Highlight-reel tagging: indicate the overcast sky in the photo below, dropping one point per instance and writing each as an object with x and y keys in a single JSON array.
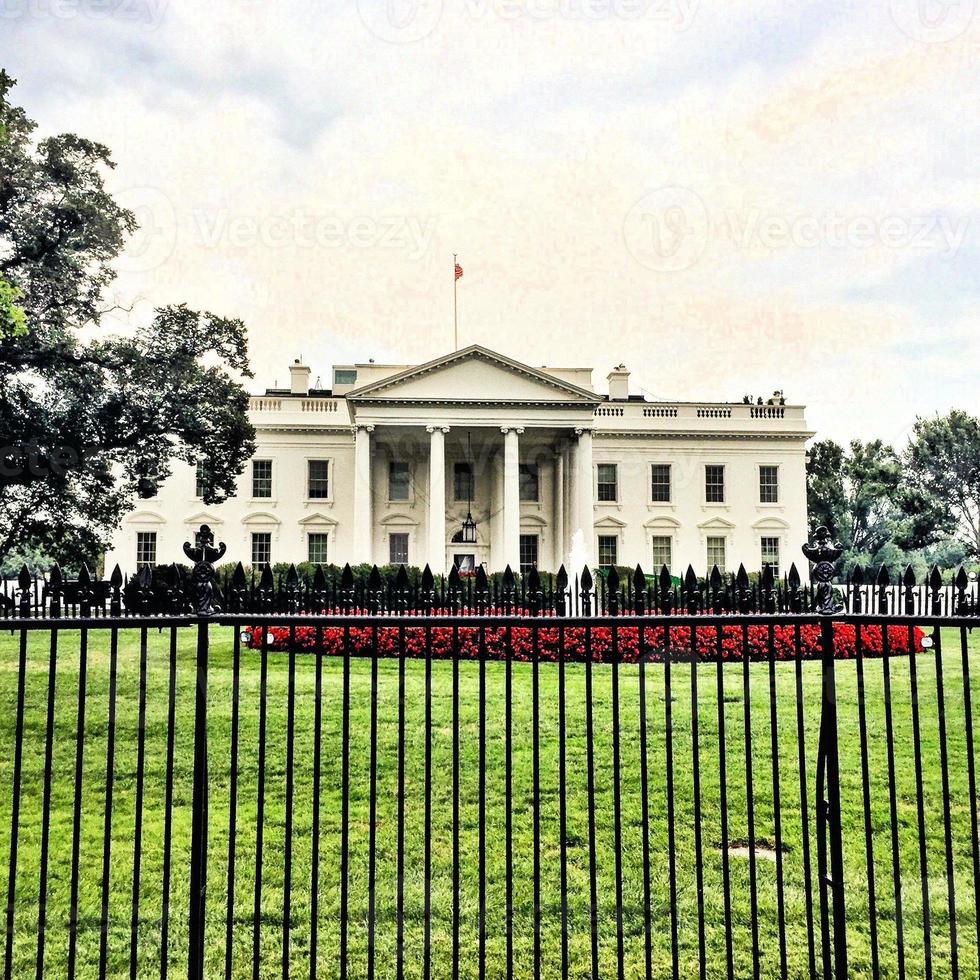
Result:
[{"x": 728, "y": 196}]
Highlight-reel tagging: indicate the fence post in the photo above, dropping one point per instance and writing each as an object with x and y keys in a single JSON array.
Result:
[
  {"x": 204, "y": 555},
  {"x": 830, "y": 866}
]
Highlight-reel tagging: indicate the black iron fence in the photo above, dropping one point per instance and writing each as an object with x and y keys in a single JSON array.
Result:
[
  {"x": 731, "y": 784},
  {"x": 170, "y": 590}
]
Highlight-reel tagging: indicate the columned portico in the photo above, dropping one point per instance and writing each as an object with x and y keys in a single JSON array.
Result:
[
  {"x": 437, "y": 497},
  {"x": 363, "y": 511},
  {"x": 512, "y": 496}
]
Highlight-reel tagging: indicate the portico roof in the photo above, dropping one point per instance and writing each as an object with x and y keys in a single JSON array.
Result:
[{"x": 475, "y": 375}]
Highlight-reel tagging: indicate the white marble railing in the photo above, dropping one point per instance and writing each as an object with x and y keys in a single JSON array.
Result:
[
  {"x": 699, "y": 415},
  {"x": 273, "y": 403},
  {"x": 334, "y": 410}
]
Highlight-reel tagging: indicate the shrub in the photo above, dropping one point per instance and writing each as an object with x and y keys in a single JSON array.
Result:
[{"x": 574, "y": 647}]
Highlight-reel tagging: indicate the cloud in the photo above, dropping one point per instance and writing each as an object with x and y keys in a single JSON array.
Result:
[{"x": 299, "y": 166}]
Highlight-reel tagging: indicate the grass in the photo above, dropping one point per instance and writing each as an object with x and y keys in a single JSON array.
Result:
[{"x": 148, "y": 931}]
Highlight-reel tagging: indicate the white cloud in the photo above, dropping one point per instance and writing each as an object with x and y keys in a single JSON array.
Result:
[{"x": 298, "y": 171}]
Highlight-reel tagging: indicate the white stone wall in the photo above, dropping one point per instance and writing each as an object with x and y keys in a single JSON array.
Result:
[
  {"x": 634, "y": 518},
  {"x": 688, "y": 519},
  {"x": 474, "y": 403}
]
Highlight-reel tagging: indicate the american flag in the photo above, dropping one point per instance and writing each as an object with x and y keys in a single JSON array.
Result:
[{"x": 459, "y": 271}]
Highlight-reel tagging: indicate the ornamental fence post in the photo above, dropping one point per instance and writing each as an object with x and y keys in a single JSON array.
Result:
[
  {"x": 823, "y": 553},
  {"x": 203, "y": 594}
]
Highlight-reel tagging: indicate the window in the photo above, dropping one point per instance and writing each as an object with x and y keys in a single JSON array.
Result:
[
  {"x": 662, "y": 551},
  {"x": 261, "y": 477},
  {"x": 318, "y": 484},
  {"x": 199, "y": 477},
  {"x": 146, "y": 548},
  {"x": 770, "y": 554},
  {"x": 768, "y": 484},
  {"x": 398, "y": 548},
  {"x": 660, "y": 483},
  {"x": 529, "y": 552},
  {"x": 527, "y": 475},
  {"x": 398, "y": 480},
  {"x": 342, "y": 377},
  {"x": 714, "y": 484},
  {"x": 463, "y": 482},
  {"x": 261, "y": 548},
  {"x": 716, "y": 554},
  {"x": 317, "y": 548},
  {"x": 607, "y": 482},
  {"x": 608, "y": 547}
]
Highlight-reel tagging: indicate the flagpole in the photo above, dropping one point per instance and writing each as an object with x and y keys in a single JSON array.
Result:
[{"x": 455, "y": 319}]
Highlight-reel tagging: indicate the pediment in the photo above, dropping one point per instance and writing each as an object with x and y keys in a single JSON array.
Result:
[
  {"x": 610, "y": 522},
  {"x": 260, "y": 517},
  {"x": 318, "y": 519},
  {"x": 203, "y": 517},
  {"x": 533, "y": 520},
  {"x": 145, "y": 517},
  {"x": 398, "y": 520},
  {"x": 662, "y": 521},
  {"x": 716, "y": 524},
  {"x": 770, "y": 523},
  {"x": 475, "y": 374}
]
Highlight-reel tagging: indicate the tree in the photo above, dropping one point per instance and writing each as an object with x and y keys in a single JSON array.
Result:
[
  {"x": 88, "y": 425},
  {"x": 863, "y": 496},
  {"x": 13, "y": 321},
  {"x": 826, "y": 498},
  {"x": 943, "y": 462}
]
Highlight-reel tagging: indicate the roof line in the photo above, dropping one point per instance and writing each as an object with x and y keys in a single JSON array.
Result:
[{"x": 480, "y": 351}]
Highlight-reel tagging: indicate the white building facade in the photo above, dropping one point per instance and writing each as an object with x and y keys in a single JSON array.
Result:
[{"x": 385, "y": 466}]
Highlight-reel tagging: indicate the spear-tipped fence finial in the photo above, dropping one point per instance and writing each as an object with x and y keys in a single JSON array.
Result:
[
  {"x": 585, "y": 590},
  {"x": 561, "y": 591}
]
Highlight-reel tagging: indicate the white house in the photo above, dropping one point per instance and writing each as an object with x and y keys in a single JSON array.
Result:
[{"x": 386, "y": 465}]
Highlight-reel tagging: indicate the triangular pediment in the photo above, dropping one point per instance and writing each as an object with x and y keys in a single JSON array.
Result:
[
  {"x": 610, "y": 522},
  {"x": 203, "y": 517},
  {"x": 316, "y": 519},
  {"x": 716, "y": 524},
  {"x": 474, "y": 374}
]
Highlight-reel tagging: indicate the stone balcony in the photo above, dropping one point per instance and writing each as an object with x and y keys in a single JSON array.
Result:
[
  {"x": 302, "y": 412},
  {"x": 702, "y": 418}
]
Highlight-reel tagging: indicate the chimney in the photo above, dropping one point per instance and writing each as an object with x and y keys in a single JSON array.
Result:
[
  {"x": 619, "y": 383},
  {"x": 299, "y": 378}
]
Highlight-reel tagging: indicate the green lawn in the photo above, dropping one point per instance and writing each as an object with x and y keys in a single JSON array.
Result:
[{"x": 577, "y": 834}]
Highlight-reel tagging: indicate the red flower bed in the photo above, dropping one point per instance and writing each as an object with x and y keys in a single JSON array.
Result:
[{"x": 655, "y": 642}]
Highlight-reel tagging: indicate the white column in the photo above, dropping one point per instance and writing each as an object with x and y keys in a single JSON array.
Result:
[
  {"x": 497, "y": 514},
  {"x": 512, "y": 497},
  {"x": 437, "y": 497},
  {"x": 363, "y": 517},
  {"x": 569, "y": 514},
  {"x": 584, "y": 491},
  {"x": 572, "y": 480},
  {"x": 559, "y": 508}
]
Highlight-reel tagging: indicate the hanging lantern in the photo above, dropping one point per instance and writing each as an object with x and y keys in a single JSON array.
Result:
[{"x": 468, "y": 531}]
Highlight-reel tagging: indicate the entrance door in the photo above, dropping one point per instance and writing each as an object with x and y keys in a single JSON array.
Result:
[{"x": 465, "y": 563}]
